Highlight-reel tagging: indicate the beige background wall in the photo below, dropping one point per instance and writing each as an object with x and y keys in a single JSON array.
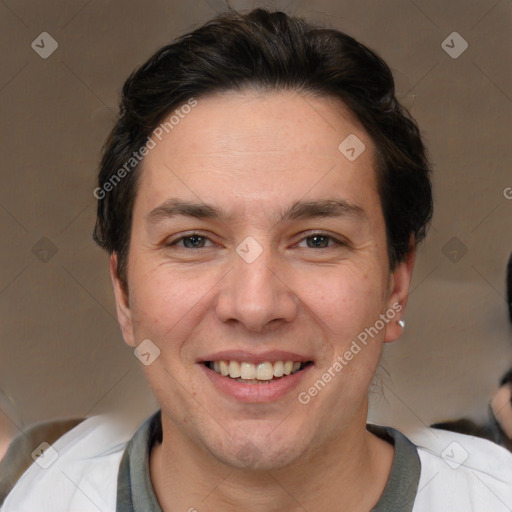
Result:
[{"x": 61, "y": 352}]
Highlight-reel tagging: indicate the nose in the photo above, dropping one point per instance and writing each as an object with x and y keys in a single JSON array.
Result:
[{"x": 256, "y": 293}]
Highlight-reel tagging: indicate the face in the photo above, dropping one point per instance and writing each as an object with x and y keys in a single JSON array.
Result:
[{"x": 255, "y": 240}]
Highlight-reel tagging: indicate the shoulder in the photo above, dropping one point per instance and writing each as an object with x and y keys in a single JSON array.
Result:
[
  {"x": 78, "y": 471},
  {"x": 462, "y": 471}
]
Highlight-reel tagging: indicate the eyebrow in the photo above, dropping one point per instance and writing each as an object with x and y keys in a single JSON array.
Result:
[{"x": 299, "y": 210}]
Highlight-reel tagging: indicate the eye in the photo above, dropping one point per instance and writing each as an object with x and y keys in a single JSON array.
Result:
[
  {"x": 320, "y": 241},
  {"x": 192, "y": 241}
]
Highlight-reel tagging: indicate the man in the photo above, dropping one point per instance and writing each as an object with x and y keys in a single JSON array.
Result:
[{"x": 262, "y": 196}]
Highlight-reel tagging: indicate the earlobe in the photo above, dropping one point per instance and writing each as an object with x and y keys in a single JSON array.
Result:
[
  {"x": 400, "y": 280},
  {"x": 124, "y": 314}
]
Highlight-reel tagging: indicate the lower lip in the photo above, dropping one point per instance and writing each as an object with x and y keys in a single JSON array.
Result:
[{"x": 256, "y": 393}]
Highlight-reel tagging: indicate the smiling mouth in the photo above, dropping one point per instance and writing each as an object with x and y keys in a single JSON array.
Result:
[{"x": 262, "y": 373}]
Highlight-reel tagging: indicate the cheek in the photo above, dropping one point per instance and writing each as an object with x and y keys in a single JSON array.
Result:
[
  {"x": 164, "y": 303},
  {"x": 346, "y": 299},
  {"x": 157, "y": 302}
]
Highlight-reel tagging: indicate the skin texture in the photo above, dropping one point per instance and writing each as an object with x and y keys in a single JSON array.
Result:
[{"x": 254, "y": 154}]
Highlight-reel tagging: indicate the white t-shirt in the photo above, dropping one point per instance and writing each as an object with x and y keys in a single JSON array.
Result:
[{"x": 81, "y": 472}]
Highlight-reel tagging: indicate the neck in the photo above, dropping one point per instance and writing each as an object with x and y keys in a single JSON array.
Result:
[{"x": 347, "y": 474}]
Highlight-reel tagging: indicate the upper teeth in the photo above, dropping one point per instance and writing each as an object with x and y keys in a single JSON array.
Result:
[{"x": 261, "y": 371}]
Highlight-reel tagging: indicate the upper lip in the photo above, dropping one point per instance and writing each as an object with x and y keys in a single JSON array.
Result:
[{"x": 251, "y": 357}]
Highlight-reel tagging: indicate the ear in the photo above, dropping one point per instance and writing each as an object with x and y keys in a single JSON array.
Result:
[
  {"x": 124, "y": 314},
  {"x": 399, "y": 282}
]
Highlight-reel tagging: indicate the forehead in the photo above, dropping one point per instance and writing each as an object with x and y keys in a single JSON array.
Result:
[{"x": 255, "y": 151}]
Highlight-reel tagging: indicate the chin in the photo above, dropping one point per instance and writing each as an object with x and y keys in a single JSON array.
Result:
[
  {"x": 250, "y": 457},
  {"x": 261, "y": 452}
]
